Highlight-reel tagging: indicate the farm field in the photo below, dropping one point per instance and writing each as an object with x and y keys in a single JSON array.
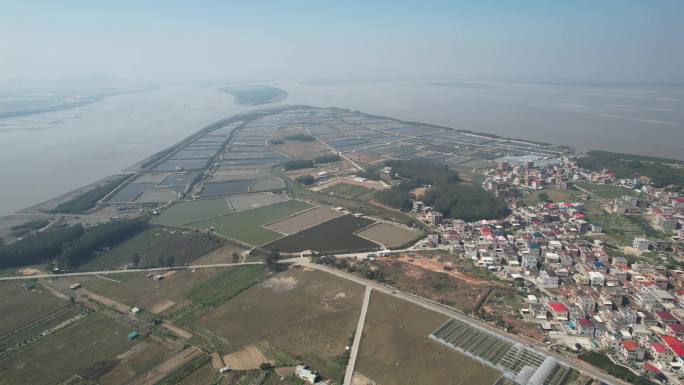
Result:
[
  {"x": 304, "y": 220},
  {"x": 226, "y": 188},
  {"x": 136, "y": 362},
  {"x": 388, "y": 235},
  {"x": 267, "y": 184},
  {"x": 251, "y": 201},
  {"x": 187, "y": 212},
  {"x": 246, "y": 226},
  {"x": 136, "y": 289},
  {"x": 76, "y": 349},
  {"x": 306, "y": 314},
  {"x": 182, "y": 246},
  {"x": 14, "y": 300},
  {"x": 334, "y": 235},
  {"x": 395, "y": 348}
]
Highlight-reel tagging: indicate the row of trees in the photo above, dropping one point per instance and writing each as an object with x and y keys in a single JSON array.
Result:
[
  {"x": 105, "y": 235},
  {"x": 454, "y": 199},
  {"x": 330, "y": 158},
  {"x": 69, "y": 245},
  {"x": 465, "y": 201},
  {"x": 631, "y": 166},
  {"x": 299, "y": 164},
  {"x": 301, "y": 137},
  {"x": 39, "y": 247},
  {"x": 87, "y": 200}
]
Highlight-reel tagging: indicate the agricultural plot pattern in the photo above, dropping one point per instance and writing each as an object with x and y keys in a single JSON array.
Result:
[
  {"x": 331, "y": 236},
  {"x": 373, "y": 139},
  {"x": 184, "y": 213},
  {"x": 515, "y": 361},
  {"x": 388, "y": 235},
  {"x": 304, "y": 220},
  {"x": 247, "y": 226}
]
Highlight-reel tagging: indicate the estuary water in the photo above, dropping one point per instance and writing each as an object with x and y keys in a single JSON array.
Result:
[{"x": 47, "y": 154}]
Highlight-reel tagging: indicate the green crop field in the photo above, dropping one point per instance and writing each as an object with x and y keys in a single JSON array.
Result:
[
  {"x": 187, "y": 212},
  {"x": 226, "y": 285},
  {"x": 246, "y": 226},
  {"x": 218, "y": 289}
]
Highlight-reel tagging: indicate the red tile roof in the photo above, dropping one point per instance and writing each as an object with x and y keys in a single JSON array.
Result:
[
  {"x": 672, "y": 341},
  {"x": 665, "y": 315},
  {"x": 676, "y": 328},
  {"x": 658, "y": 348},
  {"x": 678, "y": 350},
  {"x": 630, "y": 345},
  {"x": 558, "y": 307}
]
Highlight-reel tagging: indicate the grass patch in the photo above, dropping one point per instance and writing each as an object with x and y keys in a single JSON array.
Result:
[
  {"x": 395, "y": 348},
  {"x": 246, "y": 226},
  {"x": 347, "y": 190},
  {"x": 602, "y": 362},
  {"x": 605, "y": 191},
  {"x": 187, "y": 212},
  {"x": 14, "y": 300},
  {"x": 73, "y": 350}
]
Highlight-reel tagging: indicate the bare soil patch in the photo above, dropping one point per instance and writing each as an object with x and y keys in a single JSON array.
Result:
[
  {"x": 248, "y": 358},
  {"x": 281, "y": 283}
]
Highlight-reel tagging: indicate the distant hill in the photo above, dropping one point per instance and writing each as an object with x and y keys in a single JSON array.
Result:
[{"x": 254, "y": 95}]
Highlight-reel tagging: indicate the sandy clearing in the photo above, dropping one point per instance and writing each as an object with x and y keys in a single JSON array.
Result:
[
  {"x": 29, "y": 271},
  {"x": 217, "y": 361},
  {"x": 247, "y": 359},
  {"x": 176, "y": 330},
  {"x": 360, "y": 379},
  {"x": 161, "y": 306},
  {"x": 371, "y": 184},
  {"x": 432, "y": 265},
  {"x": 281, "y": 284},
  {"x": 118, "y": 306}
]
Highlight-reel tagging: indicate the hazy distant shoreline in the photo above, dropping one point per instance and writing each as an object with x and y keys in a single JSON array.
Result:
[{"x": 51, "y": 153}]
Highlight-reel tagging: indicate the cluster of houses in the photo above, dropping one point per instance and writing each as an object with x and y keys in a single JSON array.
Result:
[{"x": 586, "y": 294}]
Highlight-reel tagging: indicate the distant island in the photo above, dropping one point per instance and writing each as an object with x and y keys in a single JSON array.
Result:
[{"x": 254, "y": 95}]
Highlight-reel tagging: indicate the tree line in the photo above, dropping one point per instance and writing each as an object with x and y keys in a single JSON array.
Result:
[
  {"x": 94, "y": 238},
  {"x": 447, "y": 194},
  {"x": 69, "y": 245},
  {"x": 299, "y": 164},
  {"x": 634, "y": 166},
  {"x": 87, "y": 200}
]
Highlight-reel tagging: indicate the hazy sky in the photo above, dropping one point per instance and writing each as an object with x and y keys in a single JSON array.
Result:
[{"x": 573, "y": 40}]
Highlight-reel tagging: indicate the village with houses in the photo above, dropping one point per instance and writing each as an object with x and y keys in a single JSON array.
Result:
[{"x": 581, "y": 287}]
